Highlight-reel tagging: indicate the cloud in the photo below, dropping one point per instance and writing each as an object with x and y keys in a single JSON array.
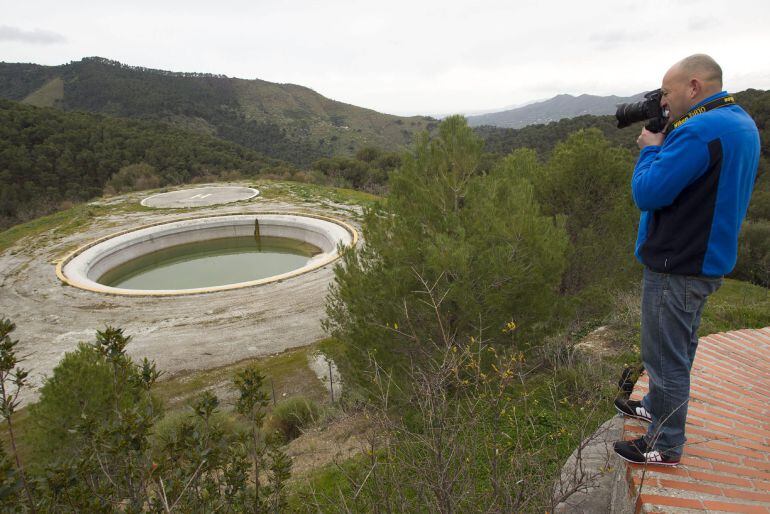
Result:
[
  {"x": 37, "y": 36},
  {"x": 702, "y": 23},
  {"x": 613, "y": 38}
]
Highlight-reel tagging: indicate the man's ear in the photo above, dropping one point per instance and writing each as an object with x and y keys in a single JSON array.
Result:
[{"x": 695, "y": 87}]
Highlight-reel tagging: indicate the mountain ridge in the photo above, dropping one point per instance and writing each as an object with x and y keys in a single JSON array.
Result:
[
  {"x": 561, "y": 106},
  {"x": 285, "y": 121}
]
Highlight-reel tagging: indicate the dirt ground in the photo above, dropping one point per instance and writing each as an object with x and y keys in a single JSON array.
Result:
[
  {"x": 179, "y": 333},
  {"x": 337, "y": 441}
]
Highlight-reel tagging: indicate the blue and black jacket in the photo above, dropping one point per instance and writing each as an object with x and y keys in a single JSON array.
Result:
[{"x": 694, "y": 190}]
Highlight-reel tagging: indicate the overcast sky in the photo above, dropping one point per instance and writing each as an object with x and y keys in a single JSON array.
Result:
[{"x": 406, "y": 57}]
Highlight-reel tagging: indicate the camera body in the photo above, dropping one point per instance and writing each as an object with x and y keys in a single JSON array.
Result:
[{"x": 647, "y": 110}]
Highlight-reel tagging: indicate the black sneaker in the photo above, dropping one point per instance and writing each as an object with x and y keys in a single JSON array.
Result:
[
  {"x": 638, "y": 452},
  {"x": 632, "y": 408}
]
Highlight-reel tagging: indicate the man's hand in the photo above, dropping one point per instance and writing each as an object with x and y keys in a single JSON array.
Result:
[{"x": 647, "y": 138}]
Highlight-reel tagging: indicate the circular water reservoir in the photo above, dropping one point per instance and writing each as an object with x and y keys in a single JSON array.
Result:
[
  {"x": 206, "y": 254},
  {"x": 226, "y": 260}
]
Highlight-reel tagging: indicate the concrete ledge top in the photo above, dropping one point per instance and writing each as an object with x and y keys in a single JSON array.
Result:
[
  {"x": 726, "y": 461},
  {"x": 76, "y": 269},
  {"x": 200, "y": 197}
]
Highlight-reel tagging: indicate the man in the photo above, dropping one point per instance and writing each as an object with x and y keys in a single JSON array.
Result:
[{"x": 692, "y": 183}]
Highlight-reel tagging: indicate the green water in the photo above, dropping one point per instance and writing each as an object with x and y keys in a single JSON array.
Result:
[{"x": 211, "y": 263}]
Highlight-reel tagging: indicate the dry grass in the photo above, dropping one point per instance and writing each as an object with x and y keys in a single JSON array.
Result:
[
  {"x": 287, "y": 372},
  {"x": 49, "y": 95}
]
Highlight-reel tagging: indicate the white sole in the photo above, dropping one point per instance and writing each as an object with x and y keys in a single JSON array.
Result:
[
  {"x": 648, "y": 420},
  {"x": 650, "y": 463}
]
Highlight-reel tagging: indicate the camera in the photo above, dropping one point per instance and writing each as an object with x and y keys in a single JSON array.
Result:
[{"x": 648, "y": 109}]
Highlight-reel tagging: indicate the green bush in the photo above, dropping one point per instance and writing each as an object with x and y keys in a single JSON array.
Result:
[
  {"x": 80, "y": 388},
  {"x": 100, "y": 412},
  {"x": 759, "y": 208},
  {"x": 586, "y": 181},
  {"x": 754, "y": 253},
  {"x": 291, "y": 415},
  {"x": 167, "y": 427},
  {"x": 134, "y": 177}
]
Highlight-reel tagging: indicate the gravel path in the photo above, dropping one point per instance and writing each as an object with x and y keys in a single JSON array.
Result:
[{"x": 178, "y": 333}]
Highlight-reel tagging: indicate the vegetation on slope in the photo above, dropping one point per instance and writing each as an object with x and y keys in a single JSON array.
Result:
[
  {"x": 48, "y": 156},
  {"x": 50, "y": 159},
  {"x": 105, "y": 447},
  {"x": 283, "y": 121}
]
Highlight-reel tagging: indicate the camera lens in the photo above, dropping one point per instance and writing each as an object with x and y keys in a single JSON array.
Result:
[
  {"x": 628, "y": 114},
  {"x": 647, "y": 109}
]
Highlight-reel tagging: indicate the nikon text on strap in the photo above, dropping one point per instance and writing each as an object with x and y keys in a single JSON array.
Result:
[{"x": 713, "y": 104}]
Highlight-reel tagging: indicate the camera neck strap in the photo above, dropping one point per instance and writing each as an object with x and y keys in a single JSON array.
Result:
[{"x": 710, "y": 106}]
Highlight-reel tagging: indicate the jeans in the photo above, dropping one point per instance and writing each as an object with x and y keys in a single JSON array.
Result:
[{"x": 671, "y": 312}]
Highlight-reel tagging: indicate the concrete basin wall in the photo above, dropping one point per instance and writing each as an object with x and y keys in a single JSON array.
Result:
[{"x": 83, "y": 267}]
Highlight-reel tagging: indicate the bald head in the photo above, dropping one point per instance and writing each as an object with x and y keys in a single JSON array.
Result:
[
  {"x": 688, "y": 82},
  {"x": 702, "y": 67}
]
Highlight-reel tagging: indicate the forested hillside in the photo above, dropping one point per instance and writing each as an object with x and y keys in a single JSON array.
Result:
[
  {"x": 284, "y": 121},
  {"x": 48, "y": 156},
  {"x": 543, "y": 138}
]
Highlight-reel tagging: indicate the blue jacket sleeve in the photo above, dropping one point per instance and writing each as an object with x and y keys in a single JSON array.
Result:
[{"x": 662, "y": 172}]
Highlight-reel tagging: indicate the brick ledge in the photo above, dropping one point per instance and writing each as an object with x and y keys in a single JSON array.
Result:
[{"x": 726, "y": 462}]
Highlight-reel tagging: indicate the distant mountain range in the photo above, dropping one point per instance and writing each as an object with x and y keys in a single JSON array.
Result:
[
  {"x": 555, "y": 109},
  {"x": 285, "y": 121}
]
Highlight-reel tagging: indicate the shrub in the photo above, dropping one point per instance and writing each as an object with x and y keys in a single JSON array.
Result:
[
  {"x": 754, "y": 253},
  {"x": 167, "y": 427},
  {"x": 134, "y": 177},
  {"x": 344, "y": 170},
  {"x": 81, "y": 387},
  {"x": 10, "y": 484},
  {"x": 759, "y": 208},
  {"x": 587, "y": 182},
  {"x": 204, "y": 462},
  {"x": 368, "y": 154},
  {"x": 482, "y": 431},
  {"x": 291, "y": 415}
]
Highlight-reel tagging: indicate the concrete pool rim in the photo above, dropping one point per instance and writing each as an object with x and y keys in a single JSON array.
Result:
[{"x": 85, "y": 284}]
